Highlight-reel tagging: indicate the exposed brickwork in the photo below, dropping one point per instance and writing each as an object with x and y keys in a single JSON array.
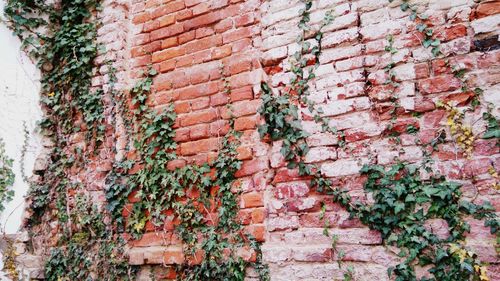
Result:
[{"x": 214, "y": 53}]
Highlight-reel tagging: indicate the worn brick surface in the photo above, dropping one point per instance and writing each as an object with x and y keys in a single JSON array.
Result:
[{"x": 213, "y": 53}]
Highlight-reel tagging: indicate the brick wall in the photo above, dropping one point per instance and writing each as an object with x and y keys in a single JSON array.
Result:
[{"x": 213, "y": 53}]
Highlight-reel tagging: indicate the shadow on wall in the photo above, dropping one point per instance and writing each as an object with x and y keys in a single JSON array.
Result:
[{"x": 19, "y": 109}]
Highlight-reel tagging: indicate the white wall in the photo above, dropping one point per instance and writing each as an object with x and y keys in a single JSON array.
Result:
[{"x": 19, "y": 102}]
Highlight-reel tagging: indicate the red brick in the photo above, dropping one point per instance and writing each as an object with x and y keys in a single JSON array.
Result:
[
  {"x": 439, "y": 84},
  {"x": 141, "y": 18},
  {"x": 487, "y": 9},
  {"x": 167, "y": 65},
  {"x": 152, "y": 3},
  {"x": 187, "y": 36},
  {"x": 251, "y": 200},
  {"x": 165, "y": 273},
  {"x": 224, "y": 25},
  {"x": 184, "y": 61},
  {"x": 459, "y": 99},
  {"x": 245, "y": 19},
  {"x": 245, "y": 107},
  {"x": 312, "y": 254},
  {"x": 219, "y": 128},
  {"x": 173, "y": 256},
  {"x": 244, "y": 153},
  {"x": 451, "y": 32},
  {"x": 201, "y": 8},
  {"x": 165, "y": 9},
  {"x": 184, "y": 15},
  {"x": 253, "y": 166},
  {"x": 257, "y": 231},
  {"x": 433, "y": 119},
  {"x": 440, "y": 66},
  {"x": 166, "y": 20},
  {"x": 476, "y": 167},
  {"x": 242, "y": 45},
  {"x": 204, "y": 32},
  {"x": 221, "y": 52},
  {"x": 258, "y": 215},
  {"x": 421, "y": 70},
  {"x": 200, "y": 103},
  {"x": 424, "y": 105},
  {"x": 219, "y": 99},
  {"x": 150, "y": 26},
  {"x": 234, "y": 35},
  {"x": 182, "y": 107},
  {"x": 204, "y": 43},
  {"x": 401, "y": 125},
  {"x": 247, "y": 254},
  {"x": 244, "y": 93},
  {"x": 167, "y": 31},
  {"x": 138, "y": 7},
  {"x": 245, "y": 79},
  {"x": 245, "y": 123},
  {"x": 190, "y": 3},
  {"x": 486, "y": 147},
  {"x": 167, "y": 54},
  {"x": 204, "y": 116},
  {"x": 203, "y": 20},
  {"x": 201, "y": 57},
  {"x": 171, "y": 80},
  {"x": 141, "y": 39},
  {"x": 195, "y": 147},
  {"x": 141, "y": 61},
  {"x": 153, "y": 239},
  {"x": 169, "y": 42},
  {"x": 245, "y": 216},
  {"x": 238, "y": 64},
  {"x": 291, "y": 190},
  {"x": 181, "y": 134},
  {"x": 175, "y": 164},
  {"x": 199, "y": 75},
  {"x": 489, "y": 59},
  {"x": 199, "y": 131},
  {"x": 199, "y": 90}
]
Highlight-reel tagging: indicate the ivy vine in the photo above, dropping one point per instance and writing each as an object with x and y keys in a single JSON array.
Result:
[
  {"x": 199, "y": 200},
  {"x": 283, "y": 111},
  {"x": 403, "y": 201},
  {"x": 7, "y": 177}
]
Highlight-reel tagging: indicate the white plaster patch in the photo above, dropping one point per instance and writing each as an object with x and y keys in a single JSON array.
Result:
[{"x": 19, "y": 103}]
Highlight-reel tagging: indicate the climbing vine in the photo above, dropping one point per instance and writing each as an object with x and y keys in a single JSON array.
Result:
[
  {"x": 62, "y": 39},
  {"x": 198, "y": 200},
  {"x": 403, "y": 202},
  {"x": 283, "y": 111},
  {"x": 6, "y": 177}
]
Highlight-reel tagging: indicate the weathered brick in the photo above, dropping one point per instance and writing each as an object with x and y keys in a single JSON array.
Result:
[
  {"x": 282, "y": 223},
  {"x": 199, "y": 90},
  {"x": 439, "y": 84},
  {"x": 340, "y": 168},
  {"x": 194, "y": 147},
  {"x": 202, "y": 116},
  {"x": 246, "y": 123},
  {"x": 167, "y": 31},
  {"x": 251, "y": 200},
  {"x": 253, "y": 166},
  {"x": 487, "y": 9}
]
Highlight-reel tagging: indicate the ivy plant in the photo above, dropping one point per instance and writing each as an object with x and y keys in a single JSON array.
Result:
[{"x": 7, "y": 177}]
